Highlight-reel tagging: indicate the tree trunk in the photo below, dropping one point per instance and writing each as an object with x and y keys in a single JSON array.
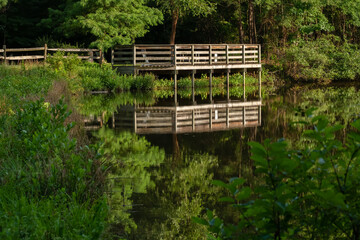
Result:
[
  {"x": 175, "y": 17},
  {"x": 241, "y": 29},
  {"x": 252, "y": 27}
]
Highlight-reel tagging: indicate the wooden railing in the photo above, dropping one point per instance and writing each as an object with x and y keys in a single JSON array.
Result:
[
  {"x": 8, "y": 55},
  {"x": 186, "y": 54}
]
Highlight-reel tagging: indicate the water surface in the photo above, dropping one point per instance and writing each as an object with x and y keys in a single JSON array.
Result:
[{"x": 180, "y": 147}]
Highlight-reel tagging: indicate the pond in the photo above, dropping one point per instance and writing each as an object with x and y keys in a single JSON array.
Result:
[{"x": 165, "y": 153}]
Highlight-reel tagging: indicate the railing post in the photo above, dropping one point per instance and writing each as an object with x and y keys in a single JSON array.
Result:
[
  {"x": 91, "y": 56},
  {"x": 192, "y": 55},
  {"x": 210, "y": 55},
  {"x": 259, "y": 53},
  {"x": 4, "y": 47},
  {"x": 227, "y": 54},
  {"x": 101, "y": 57},
  {"x": 228, "y": 85},
  {"x": 134, "y": 55},
  {"x": 45, "y": 52},
  {"x": 259, "y": 76},
  {"x": 243, "y": 53},
  {"x": 174, "y": 51},
  {"x": 112, "y": 57}
]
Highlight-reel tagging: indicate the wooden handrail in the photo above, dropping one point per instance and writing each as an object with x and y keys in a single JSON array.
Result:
[
  {"x": 186, "y": 54},
  {"x": 45, "y": 51}
]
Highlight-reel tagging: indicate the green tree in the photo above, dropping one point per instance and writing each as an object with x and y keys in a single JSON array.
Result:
[
  {"x": 105, "y": 23},
  {"x": 181, "y": 8}
]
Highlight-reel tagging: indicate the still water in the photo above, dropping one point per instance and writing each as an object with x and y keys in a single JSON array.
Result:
[{"x": 164, "y": 154}]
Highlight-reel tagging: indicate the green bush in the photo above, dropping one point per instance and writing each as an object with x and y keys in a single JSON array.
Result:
[
  {"x": 146, "y": 81},
  {"x": 50, "y": 187},
  {"x": 308, "y": 193},
  {"x": 20, "y": 82},
  {"x": 64, "y": 63},
  {"x": 322, "y": 59}
]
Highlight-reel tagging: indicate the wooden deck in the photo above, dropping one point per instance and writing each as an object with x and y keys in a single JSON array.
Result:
[
  {"x": 136, "y": 58},
  {"x": 184, "y": 119}
]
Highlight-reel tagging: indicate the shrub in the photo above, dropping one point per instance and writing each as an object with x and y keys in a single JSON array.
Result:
[
  {"x": 322, "y": 59},
  {"x": 50, "y": 187},
  {"x": 309, "y": 193}
]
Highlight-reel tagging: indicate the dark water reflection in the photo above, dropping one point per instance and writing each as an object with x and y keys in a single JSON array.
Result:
[{"x": 195, "y": 154}]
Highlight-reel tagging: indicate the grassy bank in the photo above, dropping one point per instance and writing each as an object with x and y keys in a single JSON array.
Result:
[{"x": 52, "y": 186}]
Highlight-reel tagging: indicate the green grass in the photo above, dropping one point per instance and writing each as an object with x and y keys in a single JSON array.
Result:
[{"x": 50, "y": 186}]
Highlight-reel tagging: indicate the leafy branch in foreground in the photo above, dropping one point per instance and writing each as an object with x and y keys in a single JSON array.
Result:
[{"x": 308, "y": 193}]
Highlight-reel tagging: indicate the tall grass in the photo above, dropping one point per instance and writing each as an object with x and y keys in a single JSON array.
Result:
[{"x": 50, "y": 187}]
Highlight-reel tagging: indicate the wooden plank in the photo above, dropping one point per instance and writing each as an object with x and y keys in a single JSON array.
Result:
[
  {"x": 249, "y": 57},
  {"x": 19, "y": 58},
  {"x": 139, "y": 53},
  {"x": 183, "y": 52},
  {"x": 235, "y": 57},
  {"x": 229, "y": 66},
  {"x": 123, "y": 53},
  {"x": 72, "y": 50},
  {"x": 123, "y": 58},
  {"x": 152, "y": 58},
  {"x": 220, "y": 52},
  {"x": 153, "y": 124},
  {"x": 251, "y": 46},
  {"x": 153, "y": 47},
  {"x": 25, "y": 49},
  {"x": 251, "y": 51}
]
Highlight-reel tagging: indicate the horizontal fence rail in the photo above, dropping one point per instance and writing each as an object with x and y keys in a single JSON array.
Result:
[
  {"x": 186, "y": 55},
  {"x": 8, "y": 55}
]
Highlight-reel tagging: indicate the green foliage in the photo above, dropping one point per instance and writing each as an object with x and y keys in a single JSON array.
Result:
[
  {"x": 321, "y": 59},
  {"x": 308, "y": 193},
  {"x": 129, "y": 158},
  {"x": 20, "y": 82},
  {"x": 50, "y": 186},
  {"x": 107, "y": 23},
  {"x": 183, "y": 186},
  {"x": 64, "y": 64}
]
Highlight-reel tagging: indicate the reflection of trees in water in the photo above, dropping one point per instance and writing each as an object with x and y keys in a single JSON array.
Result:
[
  {"x": 182, "y": 189},
  {"x": 181, "y": 186},
  {"x": 129, "y": 159}
]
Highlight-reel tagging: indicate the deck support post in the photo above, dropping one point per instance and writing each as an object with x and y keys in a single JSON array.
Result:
[
  {"x": 259, "y": 115},
  {"x": 210, "y": 55},
  {"x": 135, "y": 120},
  {"x": 227, "y": 117},
  {"x": 5, "y": 61},
  {"x": 112, "y": 57},
  {"x": 175, "y": 87},
  {"x": 210, "y": 84},
  {"x": 227, "y": 54},
  {"x": 244, "y": 116},
  {"x": 244, "y": 82},
  {"x": 259, "y": 84},
  {"x": 228, "y": 85},
  {"x": 192, "y": 55},
  {"x": 45, "y": 52},
  {"x": 193, "y": 86}
]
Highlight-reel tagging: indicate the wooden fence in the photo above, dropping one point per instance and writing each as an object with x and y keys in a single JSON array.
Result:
[
  {"x": 8, "y": 55},
  {"x": 186, "y": 55}
]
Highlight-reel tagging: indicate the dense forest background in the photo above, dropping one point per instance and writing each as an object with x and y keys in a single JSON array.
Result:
[{"x": 303, "y": 39}]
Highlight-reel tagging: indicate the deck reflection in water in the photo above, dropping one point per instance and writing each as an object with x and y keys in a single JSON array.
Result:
[{"x": 186, "y": 119}]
